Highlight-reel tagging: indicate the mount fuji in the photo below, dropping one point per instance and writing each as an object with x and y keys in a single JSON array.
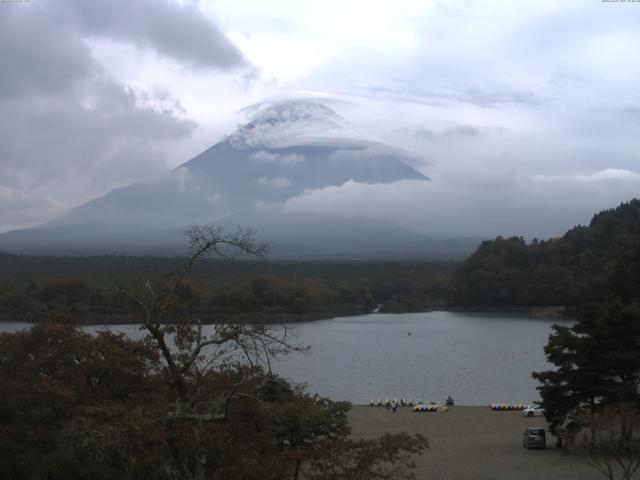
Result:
[{"x": 287, "y": 148}]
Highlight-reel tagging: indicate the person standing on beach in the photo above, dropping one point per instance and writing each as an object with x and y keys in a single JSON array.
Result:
[{"x": 394, "y": 405}]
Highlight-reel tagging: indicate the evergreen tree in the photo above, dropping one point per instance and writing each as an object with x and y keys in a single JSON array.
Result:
[
  {"x": 598, "y": 358},
  {"x": 568, "y": 271}
]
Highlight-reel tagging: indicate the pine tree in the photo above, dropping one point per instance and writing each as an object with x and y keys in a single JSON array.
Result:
[{"x": 598, "y": 358}]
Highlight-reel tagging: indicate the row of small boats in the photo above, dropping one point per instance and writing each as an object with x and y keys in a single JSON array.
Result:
[
  {"x": 432, "y": 407},
  {"x": 508, "y": 406},
  {"x": 418, "y": 406},
  {"x": 439, "y": 407},
  {"x": 403, "y": 402}
]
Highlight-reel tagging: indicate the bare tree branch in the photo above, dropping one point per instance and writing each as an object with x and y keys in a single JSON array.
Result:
[{"x": 182, "y": 342}]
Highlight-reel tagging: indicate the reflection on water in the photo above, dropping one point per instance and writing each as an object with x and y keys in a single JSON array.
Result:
[{"x": 475, "y": 358}]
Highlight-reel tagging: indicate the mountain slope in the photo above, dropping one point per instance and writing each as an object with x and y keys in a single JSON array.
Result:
[{"x": 287, "y": 148}]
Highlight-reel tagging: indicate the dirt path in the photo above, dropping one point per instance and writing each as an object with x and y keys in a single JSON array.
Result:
[{"x": 473, "y": 443}]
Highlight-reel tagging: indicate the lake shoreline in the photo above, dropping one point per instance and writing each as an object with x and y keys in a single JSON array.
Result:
[
  {"x": 268, "y": 318},
  {"x": 94, "y": 319}
]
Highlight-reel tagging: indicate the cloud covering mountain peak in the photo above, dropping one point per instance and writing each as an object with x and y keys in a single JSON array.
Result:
[
  {"x": 282, "y": 123},
  {"x": 285, "y": 150}
]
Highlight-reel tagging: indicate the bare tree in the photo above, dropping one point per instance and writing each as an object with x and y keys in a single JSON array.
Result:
[
  {"x": 610, "y": 442},
  {"x": 189, "y": 351}
]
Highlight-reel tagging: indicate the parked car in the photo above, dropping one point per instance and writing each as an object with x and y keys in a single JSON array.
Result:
[
  {"x": 535, "y": 411},
  {"x": 534, "y": 438}
]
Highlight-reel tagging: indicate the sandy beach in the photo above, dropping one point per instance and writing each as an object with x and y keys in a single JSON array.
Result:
[{"x": 474, "y": 443}]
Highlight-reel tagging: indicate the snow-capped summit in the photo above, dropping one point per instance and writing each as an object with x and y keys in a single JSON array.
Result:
[{"x": 281, "y": 123}]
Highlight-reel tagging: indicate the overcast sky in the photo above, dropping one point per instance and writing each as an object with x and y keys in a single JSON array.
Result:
[{"x": 527, "y": 114}]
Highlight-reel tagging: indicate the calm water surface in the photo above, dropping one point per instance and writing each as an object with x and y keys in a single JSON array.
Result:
[{"x": 475, "y": 358}]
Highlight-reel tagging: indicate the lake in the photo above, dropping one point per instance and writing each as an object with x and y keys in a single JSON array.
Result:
[{"x": 477, "y": 358}]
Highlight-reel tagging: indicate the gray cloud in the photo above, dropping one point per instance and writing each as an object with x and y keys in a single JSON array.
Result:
[
  {"x": 68, "y": 130},
  {"x": 560, "y": 79},
  {"x": 37, "y": 55},
  {"x": 181, "y": 32},
  {"x": 494, "y": 54},
  {"x": 84, "y": 142},
  {"x": 263, "y": 156},
  {"x": 493, "y": 204},
  {"x": 274, "y": 182},
  {"x": 471, "y": 91},
  {"x": 631, "y": 113},
  {"x": 460, "y": 131},
  {"x": 420, "y": 132},
  {"x": 17, "y": 205},
  {"x": 464, "y": 131}
]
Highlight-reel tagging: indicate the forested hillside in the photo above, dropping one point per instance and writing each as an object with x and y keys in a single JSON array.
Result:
[{"x": 567, "y": 271}]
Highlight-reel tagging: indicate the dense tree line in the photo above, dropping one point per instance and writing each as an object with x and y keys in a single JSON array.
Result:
[
  {"x": 269, "y": 298},
  {"x": 382, "y": 276},
  {"x": 74, "y": 287},
  {"x": 568, "y": 271}
]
